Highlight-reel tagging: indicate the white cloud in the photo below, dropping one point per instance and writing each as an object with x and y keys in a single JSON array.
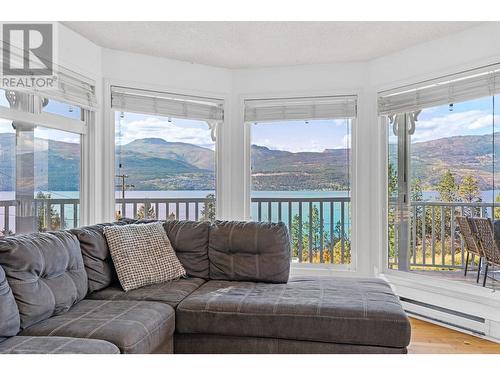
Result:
[
  {"x": 454, "y": 124},
  {"x": 151, "y": 127}
]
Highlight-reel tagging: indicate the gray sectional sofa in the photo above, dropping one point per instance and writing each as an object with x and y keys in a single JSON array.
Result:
[{"x": 59, "y": 293}]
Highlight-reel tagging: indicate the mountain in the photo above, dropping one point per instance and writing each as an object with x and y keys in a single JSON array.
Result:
[
  {"x": 155, "y": 164},
  {"x": 462, "y": 155},
  {"x": 63, "y": 157},
  {"x": 199, "y": 157},
  {"x": 284, "y": 170}
]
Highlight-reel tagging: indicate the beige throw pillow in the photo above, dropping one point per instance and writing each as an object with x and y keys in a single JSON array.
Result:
[{"x": 142, "y": 255}]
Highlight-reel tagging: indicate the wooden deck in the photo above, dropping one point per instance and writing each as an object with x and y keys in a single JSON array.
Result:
[
  {"x": 458, "y": 275},
  {"x": 427, "y": 338}
]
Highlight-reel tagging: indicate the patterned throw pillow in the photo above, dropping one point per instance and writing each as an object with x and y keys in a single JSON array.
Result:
[{"x": 142, "y": 255}]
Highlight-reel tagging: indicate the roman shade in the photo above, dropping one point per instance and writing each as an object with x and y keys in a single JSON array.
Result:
[
  {"x": 166, "y": 104},
  {"x": 316, "y": 108},
  {"x": 472, "y": 84}
]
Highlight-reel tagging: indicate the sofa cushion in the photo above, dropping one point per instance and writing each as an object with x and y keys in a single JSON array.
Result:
[
  {"x": 56, "y": 345},
  {"x": 171, "y": 292},
  {"x": 9, "y": 314},
  {"x": 142, "y": 255},
  {"x": 359, "y": 311},
  {"x": 134, "y": 327},
  {"x": 96, "y": 257},
  {"x": 249, "y": 251},
  {"x": 45, "y": 272},
  {"x": 190, "y": 242}
]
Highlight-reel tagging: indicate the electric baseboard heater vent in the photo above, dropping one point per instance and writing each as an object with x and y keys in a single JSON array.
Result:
[{"x": 452, "y": 318}]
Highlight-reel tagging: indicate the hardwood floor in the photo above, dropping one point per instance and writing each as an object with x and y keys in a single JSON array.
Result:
[{"x": 429, "y": 338}]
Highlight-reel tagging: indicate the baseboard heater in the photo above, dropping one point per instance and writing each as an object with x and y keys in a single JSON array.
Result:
[{"x": 457, "y": 319}]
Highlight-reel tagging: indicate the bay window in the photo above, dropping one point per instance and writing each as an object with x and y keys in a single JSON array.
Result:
[
  {"x": 41, "y": 148},
  {"x": 165, "y": 154},
  {"x": 442, "y": 162},
  {"x": 300, "y": 157}
]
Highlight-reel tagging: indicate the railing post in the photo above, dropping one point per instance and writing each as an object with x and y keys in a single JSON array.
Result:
[
  {"x": 300, "y": 232},
  {"x": 321, "y": 232},
  {"x": 310, "y": 233}
]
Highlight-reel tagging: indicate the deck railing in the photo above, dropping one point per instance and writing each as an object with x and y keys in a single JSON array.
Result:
[
  {"x": 435, "y": 241},
  {"x": 319, "y": 228},
  {"x": 52, "y": 214},
  {"x": 165, "y": 208}
]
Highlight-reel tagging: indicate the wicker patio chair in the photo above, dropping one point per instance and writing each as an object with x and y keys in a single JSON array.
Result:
[
  {"x": 488, "y": 244},
  {"x": 472, "y": 245}
]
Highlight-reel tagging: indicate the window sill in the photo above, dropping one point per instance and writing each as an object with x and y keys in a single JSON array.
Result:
[{"x": 307, "y": 269}]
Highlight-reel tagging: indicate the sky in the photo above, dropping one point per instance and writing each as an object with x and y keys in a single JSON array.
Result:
[
  {"x": 291, "y": 136},
  {"x": 474, "y": 117},
  {"x": 468, "y": 118},
  {"x": 135, "y": 126},
  {"x": 53, "y": 107}
]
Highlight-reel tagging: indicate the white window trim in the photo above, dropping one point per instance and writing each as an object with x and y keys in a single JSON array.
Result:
[
  {"x": 221, "y": 170},
  {"x": 456, "y": 295},
  {"x": 47, "y": 120},
  {"x": 304, "y": 268},
  {"x": 52, "y": 121}
]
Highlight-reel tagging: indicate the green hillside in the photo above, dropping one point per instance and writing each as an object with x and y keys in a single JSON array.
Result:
[{"x": 155, "y": 164}]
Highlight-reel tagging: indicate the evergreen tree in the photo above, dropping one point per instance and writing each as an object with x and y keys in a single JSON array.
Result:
[
  {"x": 392, "y": 186},
  {"x": 469, "y": 192},
  {"x": 469, "y": 189},
  {"x": 447, "y": 187},
  {"x": 208, "y": 211},
  {"x": 416, "y": 190},
  {"x": 54, "y": 222},
  {"x": 497, "y": 209},
  {"x": 314, "y": 239},
  {"x": 392, "y": 180},
  {"x": 146, "y": 211}
]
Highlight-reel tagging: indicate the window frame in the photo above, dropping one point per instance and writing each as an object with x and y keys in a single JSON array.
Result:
[
  {"x": 108, "y": 213},
  {"x": 299, "y": 269},
  {"x": 66, "y": 124}
]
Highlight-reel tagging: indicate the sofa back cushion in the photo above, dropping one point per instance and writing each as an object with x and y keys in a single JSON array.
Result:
[
  {"x": 96, "y": 256},
  {"x": 45, "y": 272},
  {"x": 9, "y": 314},
  {"x": 249, "y": 251},
  {"x": 190, "y": 242}
]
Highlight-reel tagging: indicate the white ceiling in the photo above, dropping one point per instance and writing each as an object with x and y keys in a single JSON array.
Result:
[{"x": 263, "y": 44}]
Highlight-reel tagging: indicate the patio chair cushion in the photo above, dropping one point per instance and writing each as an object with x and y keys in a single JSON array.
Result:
[
  {"x": 9, "y": 314},
  {"x": 249, "y": 251},
  {"x": 171, "y": 292},
  {"x": 358, "y": 311},
  {"x": 190, "y": 242},
  {"x": 56, "y": 345},
  {"x": 134, "y": 327},
  {"x": 45, "y": 272}
]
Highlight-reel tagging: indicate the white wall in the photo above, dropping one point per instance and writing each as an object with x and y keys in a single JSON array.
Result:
[{"x": 468, "y": 49}]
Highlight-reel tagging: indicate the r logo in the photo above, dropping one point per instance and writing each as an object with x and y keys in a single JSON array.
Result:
[{"x": 27, "y": 49}]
